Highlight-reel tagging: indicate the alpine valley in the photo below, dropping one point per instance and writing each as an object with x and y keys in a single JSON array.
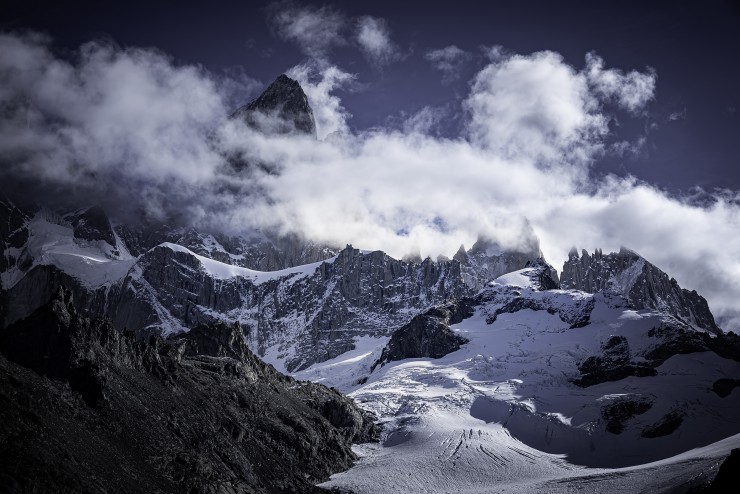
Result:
[{"x": 138, "y": 356}]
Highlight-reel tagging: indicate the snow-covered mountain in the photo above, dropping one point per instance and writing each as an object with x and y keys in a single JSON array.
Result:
[
  {"x": 486, "y": 370},
  {"x": 550, "y": 391}
]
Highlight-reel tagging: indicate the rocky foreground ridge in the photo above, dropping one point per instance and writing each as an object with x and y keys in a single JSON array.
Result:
[{"x": 84, "y": 405}]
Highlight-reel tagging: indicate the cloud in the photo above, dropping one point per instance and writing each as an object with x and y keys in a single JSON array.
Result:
[
  {"x": 116, "y": 114},
  {"x": 535, "y": 108},
  {"x": 318, "y": 82},
  {"x": 677, "y": 115},
  {"x": 631, "y": 91},
  {"x": 449, "y": 60},
  {"x": 373, "y": 37},
  {"x": 628, "y": 149},
  {"x": 132, "y": 128},
  {"x": 316, "y": 30}
]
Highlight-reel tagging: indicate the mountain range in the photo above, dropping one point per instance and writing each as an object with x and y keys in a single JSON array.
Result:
[{"x": 155, "y": 357}]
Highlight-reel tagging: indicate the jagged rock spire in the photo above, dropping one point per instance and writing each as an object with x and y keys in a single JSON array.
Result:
[
  {"x": 283, "y": 108},
  {"x": 644, "y": 284}
]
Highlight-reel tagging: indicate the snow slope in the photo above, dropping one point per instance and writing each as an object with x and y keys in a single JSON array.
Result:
[
  {"x": 53, "y": 243},
  {"x": 502, "y": 414},
  {"x": 223, "y": 271}
]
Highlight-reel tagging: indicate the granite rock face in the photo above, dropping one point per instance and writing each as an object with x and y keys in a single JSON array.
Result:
[
  {"x": 646, "y": 286},
  {"x": 282, "y": 108},
  {"x": 86, "y": 406},
  {"x": 311, "y": 315}
]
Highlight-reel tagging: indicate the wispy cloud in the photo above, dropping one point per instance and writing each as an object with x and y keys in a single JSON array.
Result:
[
  {"x": 134, "y": 129},
  {"x": 373, "y": 37},
  {"x": 677, "y": 115},
  {"x": 632, "y": 91},
  {"x": 449, "y": 60},
  {"x": 315, "y": 30}
]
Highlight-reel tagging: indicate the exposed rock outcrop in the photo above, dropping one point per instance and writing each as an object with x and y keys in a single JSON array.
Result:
[
  {"x": 724, "y": 387},
  {"x": 665, "y": 426},
  {"x": 428, "y": 334},
  {"x": 646, "y": 286},
  {"x": 613, "y": 364},
  {"x": 618, "y": 413},
  {"x": 86, "y": 406}
]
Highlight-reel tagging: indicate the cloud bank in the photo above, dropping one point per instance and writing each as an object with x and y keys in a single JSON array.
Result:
[{"x": 133, "y": 129}]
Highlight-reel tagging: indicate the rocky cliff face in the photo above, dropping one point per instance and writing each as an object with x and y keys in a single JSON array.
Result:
[
  {"x": 13, "y": 237},
  {"x": 302, "y": 315},
  {"x": 646, "y": 286},
  {"x": 282, "y": 108},
  {"x": 87, "y": 406},
  {"x": 297, "y": 315}
]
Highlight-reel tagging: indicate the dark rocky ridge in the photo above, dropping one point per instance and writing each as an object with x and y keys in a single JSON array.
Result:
[
  {"x": 646, "y": 286},
  {"x": 85, "y": 407},
  {"x": 282, "y": 108}
]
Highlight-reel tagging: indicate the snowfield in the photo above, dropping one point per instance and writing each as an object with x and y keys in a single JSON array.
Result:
[
  {"x": 502, "y": 415},
  {"x": 50, "y": 242}
]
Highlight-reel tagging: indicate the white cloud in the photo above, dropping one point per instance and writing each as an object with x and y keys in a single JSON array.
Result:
[
  {"x": 314, "y": 29},
  {"x": 631, "y": 91},
  {"x": 131, "y": 124},
  {"x": 116, "y": 106},
  {"x": 535, "y": 108},
  {"x": 373, "y": 37},
  {"x": 318, "y": 82},
  {"x": 449, "y": 60}
]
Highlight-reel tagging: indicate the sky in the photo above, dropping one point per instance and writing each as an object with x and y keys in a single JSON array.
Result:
[{"x": 596, "y": 125}]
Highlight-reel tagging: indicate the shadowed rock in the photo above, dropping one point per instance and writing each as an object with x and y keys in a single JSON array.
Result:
[
  {"x": 86, "y": 407},
  {"x": 427, "y": 335}
]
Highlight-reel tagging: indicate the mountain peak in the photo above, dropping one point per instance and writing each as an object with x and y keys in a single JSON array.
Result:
[{"x": 282, "y": 108}]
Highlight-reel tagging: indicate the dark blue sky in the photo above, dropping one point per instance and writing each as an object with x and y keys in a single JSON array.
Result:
[{"x": 694, "y": 48}]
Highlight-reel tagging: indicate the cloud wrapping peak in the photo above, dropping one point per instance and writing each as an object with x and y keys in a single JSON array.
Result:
[
  {"x": 133, "y": 130},
  {"x": 318, "y": 82}
]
